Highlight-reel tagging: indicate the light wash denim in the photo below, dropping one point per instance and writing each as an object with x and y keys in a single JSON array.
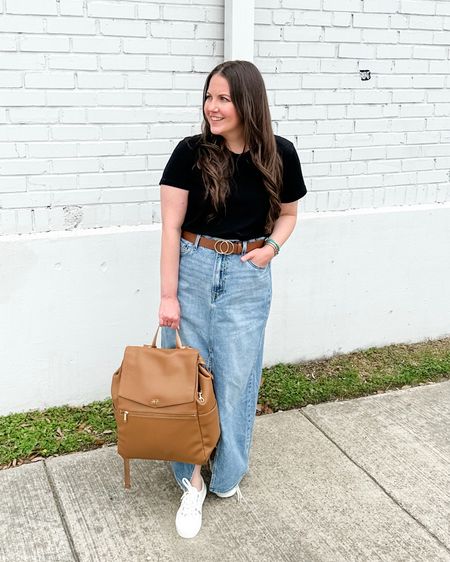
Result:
[{"x": 224, "y": 309}]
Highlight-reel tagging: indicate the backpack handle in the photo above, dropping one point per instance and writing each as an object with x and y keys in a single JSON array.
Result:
[{"x": 179, "y": 345}]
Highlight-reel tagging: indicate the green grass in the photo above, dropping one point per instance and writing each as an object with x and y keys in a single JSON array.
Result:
[
  {"x": 55, "y": 431},
  {"x": 31, "y": 436},
  {"x": 355, "y": 374}
]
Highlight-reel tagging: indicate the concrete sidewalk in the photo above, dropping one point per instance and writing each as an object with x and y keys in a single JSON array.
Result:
[{"x": 359, "y": 480}]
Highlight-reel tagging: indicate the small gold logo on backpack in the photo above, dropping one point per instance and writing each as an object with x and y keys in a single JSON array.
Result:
[{"x": 154, "y": 401}]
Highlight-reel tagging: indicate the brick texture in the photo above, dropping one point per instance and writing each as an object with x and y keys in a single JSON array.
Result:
[
  {"x": 94, "y": 95},
  {"x": 90, "y": 109},
  {"x": 376, "y": 142}
]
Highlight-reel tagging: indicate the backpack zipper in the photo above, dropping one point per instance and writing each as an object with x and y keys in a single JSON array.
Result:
[{"x": 126, "y": 413}]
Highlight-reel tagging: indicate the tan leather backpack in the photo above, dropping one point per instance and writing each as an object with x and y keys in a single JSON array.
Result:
[{"x": 164, "y": 405}]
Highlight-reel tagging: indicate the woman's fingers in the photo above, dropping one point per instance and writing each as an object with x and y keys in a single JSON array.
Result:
[
  {"x": 172, "y": 322},
  {"x": 248, "y": 255},
  {"x": 260, "y": 256},
  {"x": 169, "y": 314}
]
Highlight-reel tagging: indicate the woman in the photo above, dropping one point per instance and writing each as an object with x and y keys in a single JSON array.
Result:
[{"x": 229, "y": 202}]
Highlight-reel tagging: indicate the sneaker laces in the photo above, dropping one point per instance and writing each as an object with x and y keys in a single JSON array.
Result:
[{"x": 189, "y": 499}]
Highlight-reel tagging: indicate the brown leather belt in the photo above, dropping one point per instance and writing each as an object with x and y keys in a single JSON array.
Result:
[{"x": 222, "y": 246}]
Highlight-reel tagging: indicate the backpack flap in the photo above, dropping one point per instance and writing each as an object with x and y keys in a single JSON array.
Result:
[{"x": 159, "y": 378}]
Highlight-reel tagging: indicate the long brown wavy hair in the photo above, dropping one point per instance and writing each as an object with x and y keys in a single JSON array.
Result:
[{"x": 249, "y": 96}]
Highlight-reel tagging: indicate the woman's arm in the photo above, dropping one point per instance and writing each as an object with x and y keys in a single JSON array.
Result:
[
  {"x": 173, "y": 210},
  {"x": 282, "y": 229}
]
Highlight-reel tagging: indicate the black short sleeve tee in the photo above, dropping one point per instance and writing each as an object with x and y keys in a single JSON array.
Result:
[{"x": 246, "y": 209}]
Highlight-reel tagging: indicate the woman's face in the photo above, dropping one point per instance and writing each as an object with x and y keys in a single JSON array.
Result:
[{"x": 220, "y": 111}]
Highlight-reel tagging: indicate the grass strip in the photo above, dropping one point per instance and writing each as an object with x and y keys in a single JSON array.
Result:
[
  {"x": 374, "y": 370},
  {"x": 32, "y": 436}
]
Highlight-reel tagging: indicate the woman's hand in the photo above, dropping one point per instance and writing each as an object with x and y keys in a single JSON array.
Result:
[
  {"x": 169, "y": 312},
  {"x": 260, "y": 256}
]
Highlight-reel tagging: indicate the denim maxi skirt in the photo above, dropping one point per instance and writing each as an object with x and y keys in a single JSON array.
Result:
[{"x": 224, "y": 309}]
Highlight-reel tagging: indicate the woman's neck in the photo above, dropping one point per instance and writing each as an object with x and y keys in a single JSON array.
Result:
[{"x": 236, "y": 146}]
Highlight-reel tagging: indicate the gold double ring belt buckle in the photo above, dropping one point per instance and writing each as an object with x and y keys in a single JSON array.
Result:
[{"x": 224, "y": 247}]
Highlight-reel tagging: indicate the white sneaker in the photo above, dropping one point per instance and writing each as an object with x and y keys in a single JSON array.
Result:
[
  {"x": 189, "y": 515},
  {"x": 230, "y": 493}
]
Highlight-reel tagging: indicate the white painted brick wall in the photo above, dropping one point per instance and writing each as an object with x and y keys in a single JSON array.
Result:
[
  {"x": 94, "y": 94},
  {"x": 370, "y": 143}
]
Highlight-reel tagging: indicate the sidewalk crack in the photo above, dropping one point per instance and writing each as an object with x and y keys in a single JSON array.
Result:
[
  {"x": 375, "y": 481},
  {"x": 61, "y": 512}
]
